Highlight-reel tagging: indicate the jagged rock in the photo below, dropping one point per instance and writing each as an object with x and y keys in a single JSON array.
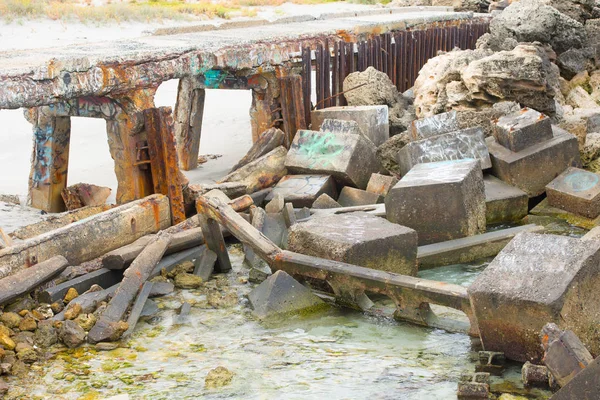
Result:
[
  {"x": 496, "y": 43},
  {"x": 70, "y": 295},
  {"x": 534, "y": 21},
  {"x": 485, "y": 117},
  {"x": 579, "y": 98},
  {"x": 71, "y": 334},
  {"x": 188, "y": 281},
  {"x": 574, "y": 61},
  {"x": 325, "y": 201},
  {"x": 28, "y": 324},
  {"x": 591, "y": 149},
  {"x": 73, "y": 311},
  {"x": 46, "y": 335},
  {"x": 218, "y": 377},
  {"x": 579, "y": 10},
  {"x": 7, "y": 342},
  {"x": 581, "y": 122},
  {"x": 86, "y": 321},
  {"x": 386, "y": 153}
]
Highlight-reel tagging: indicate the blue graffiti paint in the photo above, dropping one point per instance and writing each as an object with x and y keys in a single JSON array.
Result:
[
  {"x": 213, "y": 78},
  {"x": 580, "y": 181}
]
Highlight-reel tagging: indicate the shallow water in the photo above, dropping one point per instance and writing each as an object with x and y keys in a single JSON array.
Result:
[{"x": 335, "y": 354}]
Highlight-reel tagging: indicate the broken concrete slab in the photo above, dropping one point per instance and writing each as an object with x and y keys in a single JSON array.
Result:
[
  {"x": 533, "y": 168},
  {"x": 534, "y": 280},
  {"x": 359, "y": 239},
  {"x": 350, "y": 197},
  {"x": 522, "y": 129},
  {"x": 576, "y": 191},
  {"x": 504, "y": 203},
  {"x": 325, "y": 201},
  {"x": 340, "y": 126},
  {"x": 440, "y": 200},
  {"x": 261, "y": 173},
  {"x": 435, "y": 125},
  {"x": 84, "y": 194},
  {"x": 465, "y": 144},
  {"x": 282, "y": 295},
  {"x": 584, "y": 386},
  {"x": 303, "y": 190},
  {"x": 564, "y": 354},
  {"x": 275, "y": 205},
  {"x": 381, "y": 184},
  {"x": 373, "y": 121},
  {"x": 349, "y": 158}
]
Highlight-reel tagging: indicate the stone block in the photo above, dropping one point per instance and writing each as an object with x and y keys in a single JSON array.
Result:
[
  {"x": 576, "y": 191},
  {"x": 465, "y": 144},
  {"x": 441, "y": 201},
  {"x": 381, "y": 184},
  {"x": 523, "y": 129},
  {"x": 534, "y": 375},
  {"x": 338, "y": 126},
  {"x": 325, "y": 201},
  {"x": 534, "y": 280},
  {"x": 282, "y": 295},
  {"x": 360, "y": 239},
  {"x": 533, "y": 168},
  {"x": 584, "y": 386},
  {"x": 303, "y": 190},
  {"x": 435, "y": 125},
  {"x": 504, "y": 203},
  {"x": 373, "y": 121},
  {"x": 349, "y": 158},
  {"x": 350, "y": 197}
]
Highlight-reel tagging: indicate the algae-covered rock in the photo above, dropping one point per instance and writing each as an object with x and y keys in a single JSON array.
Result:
[
  {"x": 27, "y": 355},
  {"x": 71, "y": 334},
  {"x": 7, "y": 342},
  {"x": 185, "y": 280},
  {"x": 71, "y": 294},
  {"x": 86, "y": 321},
  {"x": 218, "y": 377},
  {"x": 73, "y": 311},
  {"x": 11, "y": 319},
  {"x": 28, "y": 324},
  {"x": 46, "y": 335}
]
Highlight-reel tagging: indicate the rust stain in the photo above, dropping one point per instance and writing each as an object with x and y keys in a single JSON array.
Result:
[{"x": 345, "y": 35}]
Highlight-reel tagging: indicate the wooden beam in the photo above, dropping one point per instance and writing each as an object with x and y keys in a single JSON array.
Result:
[
  {"x": 189, "y": 111},
  {"x": 292, "y": 106}
]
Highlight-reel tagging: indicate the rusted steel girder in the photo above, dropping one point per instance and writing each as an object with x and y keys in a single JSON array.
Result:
[{"x": 411, "y": 295}]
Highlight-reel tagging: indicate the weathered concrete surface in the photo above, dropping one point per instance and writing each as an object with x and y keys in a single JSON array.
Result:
[
  {"x": 381, "y": 184},
  {"x": 303, "y": 190},
  {"x": 466, "y": 144},
  {"x": 325, "y": 201},
  {"x": 503, "y": 202},
  {"x": 359, "y": 239},
  {"x": 441, "y": 201},
  {"x": 349, "y": 158},
  {"x": 340, "y": 126},
  {"x": 262, "y": 172},
  {"x": 585, "y": 385},
  {"x": 46, "y": 76},
  {"x": 372, "y": 120},
  {"x": 576, "y": 191},
  {"x": 435, "y": 125},
  {"x": 281, "y": 295},
  {"x": 350, "y": 197},
  {"x": 544, "y": 209},
  {"x": 533, "y": 168},
  {"x": 538, "y": 279},
  {"x": 524, "y": 129}
]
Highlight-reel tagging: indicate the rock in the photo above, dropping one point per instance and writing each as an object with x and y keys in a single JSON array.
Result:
[
  {"x": 463, "y": 5},
  {"x": 259, "y": 273},
  {"x": 579, "y": 10},
  {"x": 28, "y": 324},
  {"x": 581, "y": 122},
  {"x": 73, "y": 311},
  {"x": 27, "y": 355},
  {"x": 579, "y": 98},
  {"x": 576, "y": 191},
  {"x": 218, "y": 299},
  {"x": 455, "y": 205},
  {"x": 496, "y": 43},
  {"x": 467, "y": 144},
  {"x": 71, "y": 334},
  {"x": 591, "y": 149},
  {"x": 533, "y": 168},
  {"x": 275, "y": 205},
  {"x": 86, "y": 321},
  {"x": 536, "y": 279},
  {"x": 20, "y": 369},
  {"x": 281, "y": 295},
  {"x": 534, "y": 375},
  {"x": 484, "y": 118},
  {"x": 3, "y": 386},
  {"x": 7, "y": 342},
  {"x": 434, "y": 125},
  {"x": 70, "y": 295},
  {"x": 57, "y": 306},
  {"x": 45, "y": 336},
  {"x": 5, "y": 331},
  {"x": 10, "y": 319},
  {"x": 357, "y": 238},
  {"x": 218, "y": 377},
  {"x": 268, "y": 141},
  {"x": 523, "y": 129},
  {"x": 106, "y": 346},
  {"x": 386, "y": 153},
  {"x": 348, "y": 158},
  {"x": 303, "y": 190},
  {"x": 533, "y": 21},
  {"x": 371, "y": 120},
  {"x": 150, "y": 308},
  {"x": 503, "y": 203},
  {"x": 350, "y": 197},
  {"x": 161, "y": 289},
  {"x": 24, "y": 303},
  {"x": 44, "y": 311},
  {"x": 325, "y": 201},
  {"x": 185, "y": 266},
  {"x": 381, "y": 184},
  {"x": 575, "y": 61},
  {"x": 585, "y": 385},
  {"x": 188, "y": 281}
]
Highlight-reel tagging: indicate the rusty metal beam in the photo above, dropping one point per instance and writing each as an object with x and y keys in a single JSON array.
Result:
[{"x": 189, "y": 111}]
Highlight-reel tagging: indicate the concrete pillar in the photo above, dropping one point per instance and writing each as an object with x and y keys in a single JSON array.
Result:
[
  {"x": 265, "y": 102},
  {"x": 50, "y": 160},
  {"x": 189, "y": 111}
]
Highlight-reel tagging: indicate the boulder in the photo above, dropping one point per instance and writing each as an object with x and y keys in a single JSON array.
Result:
[
  {"x": 441, "y": 201},
  {"x": 348, "y": 158},
  {"x": 358, "y": 238},
  {"x": 386, "y": 153},
  {"x": 281, "y": 295},
  {"x": 303, "y": 190},
  {"x": 534, "y": 280}
]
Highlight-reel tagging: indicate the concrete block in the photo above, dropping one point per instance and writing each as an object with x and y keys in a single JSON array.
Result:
[
  {"x": 281, "y": 295},
  {"x": 360, "y": 239},
  {"x": 522, "y": 129},
  {"x": 534, "y": 280},
  {"x": 441, "y": 201},
  {"x": 576, "y": 191},
  {"x": 534, "y": 375},
  {"x": 275, "y": 205},
  {"x": 350, "y": 197},
  {"x": 381, "y": 184},
  {"x": 338, "y": 126},
  {"x": 349, "y": 158},
  {"x": 434, "y": 125},
  {"x": 465, "y": 144},
  {"x": 545, "y": 210},
  {"x": 504, "y": 203},
  {"x": 373, "y": 121},
  {"x": 584, "y": 386},
  {"x": 303, "y": 190},
  {"x": 533, "y": 168},
  {"x": 325, "y": 201}
]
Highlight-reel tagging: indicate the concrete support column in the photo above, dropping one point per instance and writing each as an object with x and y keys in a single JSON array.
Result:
[
  {"x": 265, "y": 103},
  {"x": 50, "y": 159},
  {"x": 188, "y": 115}
]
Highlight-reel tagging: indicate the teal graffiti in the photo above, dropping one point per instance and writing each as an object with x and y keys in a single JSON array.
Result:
[
  {"x": 213, "y": 78},
  {"x": 319, "y": 148},
  {"x": 580, "y": 181}
]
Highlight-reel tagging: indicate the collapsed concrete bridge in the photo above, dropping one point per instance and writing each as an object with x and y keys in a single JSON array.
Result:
[{"x": 116, "y": 81}]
